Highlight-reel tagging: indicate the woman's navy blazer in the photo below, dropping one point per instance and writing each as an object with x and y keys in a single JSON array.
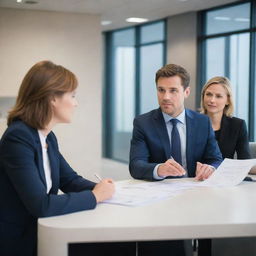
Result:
[{"x": 23, "y": 196}]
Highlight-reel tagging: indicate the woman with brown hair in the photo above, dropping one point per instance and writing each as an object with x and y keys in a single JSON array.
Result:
[{"x": 32, "y": 169}]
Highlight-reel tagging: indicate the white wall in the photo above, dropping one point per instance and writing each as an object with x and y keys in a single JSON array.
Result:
[
  {"x": 74, "y": 41},
  {"x": 68, "y": 39},
  {"x": 182, "y": 47}
]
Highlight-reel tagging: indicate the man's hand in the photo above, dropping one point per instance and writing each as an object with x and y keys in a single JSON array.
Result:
[
  {"x": 203, "y": 171},
  {"x": 170, "y": 168}
]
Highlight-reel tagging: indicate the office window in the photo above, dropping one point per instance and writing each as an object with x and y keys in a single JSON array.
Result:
[
  {"x": 152, "y": 32},
  {"x": 123, "y": 82},
  {"x": 215, "y": 62},
  {"x": 228, "y": 19},
  {"x": 132, "y": 56},
  {"x": 148, "y": 98},
  {"x": 226, "y": 45},
  {"x": 239, "y": 73},
  {"x": 253, "y": 82}
]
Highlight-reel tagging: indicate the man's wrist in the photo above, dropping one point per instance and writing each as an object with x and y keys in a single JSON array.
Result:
[
  {"x": 155, "y": 173},
  {"x": 213, "y": 168}
]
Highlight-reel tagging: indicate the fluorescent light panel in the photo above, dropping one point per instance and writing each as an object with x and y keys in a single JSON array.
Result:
[
  {"x": 106, "y": 22},
  {"x": 136, "y": 20}
]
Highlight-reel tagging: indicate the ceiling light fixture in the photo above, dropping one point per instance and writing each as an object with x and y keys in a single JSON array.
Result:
[
  {"x": 106, "y": 22},
  {"x": 18, "y": 1},
  {"x": 136, "y": 20}
]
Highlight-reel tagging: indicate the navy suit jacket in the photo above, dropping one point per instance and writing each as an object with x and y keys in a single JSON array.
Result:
[
  {"x": 234, "y": 138},
  {"x": 150, "y": 143},
  {"x": 23, "y": 196}
]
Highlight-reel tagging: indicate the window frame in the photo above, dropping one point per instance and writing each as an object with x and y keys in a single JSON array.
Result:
[
  {"x": 108, "y": 99},
  {"x": 201, "y": 60}
]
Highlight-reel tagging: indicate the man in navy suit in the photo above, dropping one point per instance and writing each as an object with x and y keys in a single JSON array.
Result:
[{"x": 152, "y": 155}]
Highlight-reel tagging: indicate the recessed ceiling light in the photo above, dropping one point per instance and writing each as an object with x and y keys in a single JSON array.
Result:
[
  {"x": 18, "y": 1},
  {"x": 106, "y": 22},
  {"x": 136, "y": 20},
  {"x": 222, "y": 18}
]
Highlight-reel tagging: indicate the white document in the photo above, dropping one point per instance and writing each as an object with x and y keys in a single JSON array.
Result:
[
  {"x": 147, "y": 192},
  {"x": 231, "y": 172}
]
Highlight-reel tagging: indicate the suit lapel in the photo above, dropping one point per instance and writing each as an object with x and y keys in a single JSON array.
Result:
[
  {"x": 224, "y": 128},
  {"x": 190, "y": 128},
  {"x": 40, "y": 159},
  {"x": 54, "y": 167},
  {"x": 160, "y": 126}
]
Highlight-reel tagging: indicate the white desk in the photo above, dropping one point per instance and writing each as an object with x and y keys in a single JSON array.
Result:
[{"x": 200, "y": 213}]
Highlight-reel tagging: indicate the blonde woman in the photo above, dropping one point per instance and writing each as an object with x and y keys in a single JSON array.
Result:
[{"x": 230, "y": 132}]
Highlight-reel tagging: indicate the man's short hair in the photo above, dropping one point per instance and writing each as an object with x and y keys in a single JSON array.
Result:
[{"x": 170, "y": 70}]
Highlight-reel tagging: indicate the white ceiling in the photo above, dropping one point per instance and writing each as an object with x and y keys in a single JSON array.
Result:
[{"x": 118, "y": 10}]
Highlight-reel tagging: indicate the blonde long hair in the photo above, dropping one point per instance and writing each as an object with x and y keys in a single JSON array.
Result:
[{"x": 229, "y": 108}]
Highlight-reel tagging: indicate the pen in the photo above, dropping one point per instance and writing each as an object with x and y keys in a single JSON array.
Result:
[
  {"x": 174, "y": 160},
  {"x": 98, "y": 177}
]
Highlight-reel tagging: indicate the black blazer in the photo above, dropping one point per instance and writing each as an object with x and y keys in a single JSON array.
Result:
[
  {"x": 23, "y": 196},
  {"x": 233, "y": 138}
]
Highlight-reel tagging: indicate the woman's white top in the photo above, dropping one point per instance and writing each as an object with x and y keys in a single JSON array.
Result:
[{"x": 46, "y": 162}]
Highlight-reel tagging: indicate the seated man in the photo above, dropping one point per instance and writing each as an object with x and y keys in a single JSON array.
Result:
[
  {"x": 172, "y": 141},
  {"x": 158, "y": 149}
]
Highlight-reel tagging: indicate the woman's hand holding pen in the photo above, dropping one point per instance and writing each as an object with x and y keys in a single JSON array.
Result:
[
  {"x": 104, "y": 190},
  {"x": 170, "y": 168}
]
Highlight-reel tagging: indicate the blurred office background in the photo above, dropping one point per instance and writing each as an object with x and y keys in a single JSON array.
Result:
[{"x": 115, "y": 62}]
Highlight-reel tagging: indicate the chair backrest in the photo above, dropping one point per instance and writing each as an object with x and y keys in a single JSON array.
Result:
[{"x": 252, "y": 147}]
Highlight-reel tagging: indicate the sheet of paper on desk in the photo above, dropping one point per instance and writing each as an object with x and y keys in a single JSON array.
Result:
[
  {"x": 231, "y": 172},
  {"x": 146, "y": 192}
]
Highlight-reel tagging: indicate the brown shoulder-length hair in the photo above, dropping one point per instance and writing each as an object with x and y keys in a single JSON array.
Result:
[
  {"x": 43, "y": 81},
  {"x": 229, "y": 108}
]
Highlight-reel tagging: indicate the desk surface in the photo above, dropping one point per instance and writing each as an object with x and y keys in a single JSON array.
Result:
[{"x": 198, "y": 213}]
